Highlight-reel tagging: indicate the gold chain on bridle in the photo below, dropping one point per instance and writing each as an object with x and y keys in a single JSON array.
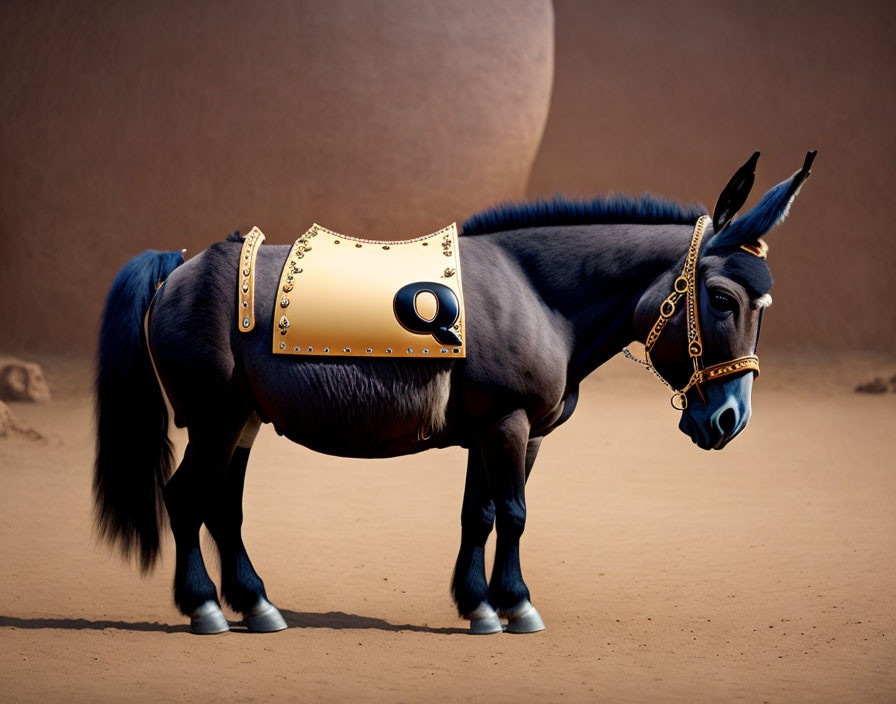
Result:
[{"x": 685, "y": 286}]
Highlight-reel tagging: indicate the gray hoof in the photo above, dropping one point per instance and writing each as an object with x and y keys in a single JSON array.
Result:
[
  {"x": 264, "y": 618},
  {"x": 524, "y": 619},
  {"x": 208, "y": 619},
  {"x": 484, "y": 620}
]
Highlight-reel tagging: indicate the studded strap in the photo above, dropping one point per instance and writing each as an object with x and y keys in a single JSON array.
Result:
[{"x": 245, "y": 299}]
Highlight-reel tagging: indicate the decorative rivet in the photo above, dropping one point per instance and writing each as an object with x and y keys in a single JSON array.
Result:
[
  {"x": 335, "y": 241},
  {"x": 385, "y": 246},
  {"x": 310, "y": 349},
  {"x": 282, "y": 345},
  {"x": 388, "y": 350},
  {"x": 444, "y": 350},
  {"x": 358, "y": 245},
  {"x": 369, "y": 351},
  {"x": 425, "y": 351},
  {"x": 245, "y": 322},
  {"x": 245, "y": 304},
  {"x": 455, "y": 350},
  {"x": 448, "y": 272},
  {"x": 426, "y": 244},
  {"x": 326, "y": 349},
  {"x": 284, "y": 302},
  {"x": 346, "y": 349},
  {"x": 283, "y": 323},
  {"x": 410, "y": 351},
  {"x": 287, "y": 288},
  {"x": 295, "y": 349},
  {"x": 246, "y": 272},
  {"x": 245, "y": 288},
  {"x": 448, "y": 253}
]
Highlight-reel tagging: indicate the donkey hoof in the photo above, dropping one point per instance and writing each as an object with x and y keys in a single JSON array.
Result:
[
  {"x": 484, "y": 620},
  {"x": 524, "y": 619},
  {"x": 264, "y": 618},
  {"x": 208, "y": 619}
]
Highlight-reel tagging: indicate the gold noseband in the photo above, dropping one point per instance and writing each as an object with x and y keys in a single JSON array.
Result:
[{"x": 685, "y": 286}]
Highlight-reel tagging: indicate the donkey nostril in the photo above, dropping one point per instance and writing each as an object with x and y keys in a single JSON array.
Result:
[{"x": 727, "y": 420}]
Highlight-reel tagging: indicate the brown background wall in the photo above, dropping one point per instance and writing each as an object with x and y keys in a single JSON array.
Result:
[
  {"x": 134, "y": 125},
  {"x": 129, "y": 125},
  {"x": 673, "y": 96}
]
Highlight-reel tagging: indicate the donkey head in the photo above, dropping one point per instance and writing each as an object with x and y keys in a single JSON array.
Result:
[{"x": 732, "y": 285}]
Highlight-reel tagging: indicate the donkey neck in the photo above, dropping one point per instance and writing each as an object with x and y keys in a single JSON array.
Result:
[{"x": 593, "y": 276}]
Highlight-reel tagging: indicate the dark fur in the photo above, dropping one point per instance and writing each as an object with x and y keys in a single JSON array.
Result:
[
  {"x": 750, "y": 272},
  {"x": 545, "y": 305}
]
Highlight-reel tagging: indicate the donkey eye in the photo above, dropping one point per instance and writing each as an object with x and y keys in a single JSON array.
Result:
[{"x": 722, "y": 301}]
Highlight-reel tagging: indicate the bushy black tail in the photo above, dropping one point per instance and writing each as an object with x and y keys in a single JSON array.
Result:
[{"x": 133, "y": 452}]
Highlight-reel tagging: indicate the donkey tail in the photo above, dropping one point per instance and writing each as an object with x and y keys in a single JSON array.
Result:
[{"x": 133, "y": 452}]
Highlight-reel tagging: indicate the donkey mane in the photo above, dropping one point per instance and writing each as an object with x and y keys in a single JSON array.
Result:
[{"x": 646, "y": 209}]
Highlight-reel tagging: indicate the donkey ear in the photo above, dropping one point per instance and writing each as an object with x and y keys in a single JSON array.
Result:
[
  {"x": 771, "y": 210},
  {"x": 734, "y": 195}
]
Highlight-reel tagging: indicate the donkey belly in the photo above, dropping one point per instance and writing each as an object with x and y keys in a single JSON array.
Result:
[{"x": 355, "y": 408}]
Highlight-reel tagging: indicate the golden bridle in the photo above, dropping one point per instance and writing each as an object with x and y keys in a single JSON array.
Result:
[{"x": 685, "y": 286}]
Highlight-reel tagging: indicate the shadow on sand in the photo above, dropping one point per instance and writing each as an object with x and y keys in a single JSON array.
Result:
[
  {"x": 339, "y": 620},
  {"x": 83, "y": 624},
  {"x": 336, "y": 620}
]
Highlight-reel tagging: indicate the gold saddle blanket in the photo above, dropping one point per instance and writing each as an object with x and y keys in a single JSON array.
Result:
[{"x": 341, "y": 296}]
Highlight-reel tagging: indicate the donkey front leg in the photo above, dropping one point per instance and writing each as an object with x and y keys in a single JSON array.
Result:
[
  {"x": 469, "y": 586},
  {"x": 504, "y": 452}
]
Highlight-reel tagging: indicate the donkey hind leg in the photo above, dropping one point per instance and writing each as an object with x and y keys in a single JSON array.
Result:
[
  {"x": 194, "y": 591},
  {"x": 241, "y": 587},
  {"x": 504, "y": 451},
  {"x": 477, "y": 517}
]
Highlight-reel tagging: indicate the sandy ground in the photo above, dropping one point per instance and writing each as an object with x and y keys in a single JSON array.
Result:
[{"x": 664, "y": 573}]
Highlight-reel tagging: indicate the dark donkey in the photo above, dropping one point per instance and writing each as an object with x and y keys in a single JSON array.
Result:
[{"x": 552, "y": 291}]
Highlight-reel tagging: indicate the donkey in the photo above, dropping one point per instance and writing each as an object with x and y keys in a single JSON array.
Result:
[{"x": 552, "y": 291}]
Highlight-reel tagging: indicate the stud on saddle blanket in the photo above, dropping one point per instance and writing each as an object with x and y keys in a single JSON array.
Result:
[{"x": 344, "y": 296}]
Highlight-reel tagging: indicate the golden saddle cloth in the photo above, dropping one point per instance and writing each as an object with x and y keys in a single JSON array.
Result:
[{"x": 344, "y": 296}]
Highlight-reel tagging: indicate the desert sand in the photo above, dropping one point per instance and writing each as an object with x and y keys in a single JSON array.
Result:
[{"x": 764, "y": 572}]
